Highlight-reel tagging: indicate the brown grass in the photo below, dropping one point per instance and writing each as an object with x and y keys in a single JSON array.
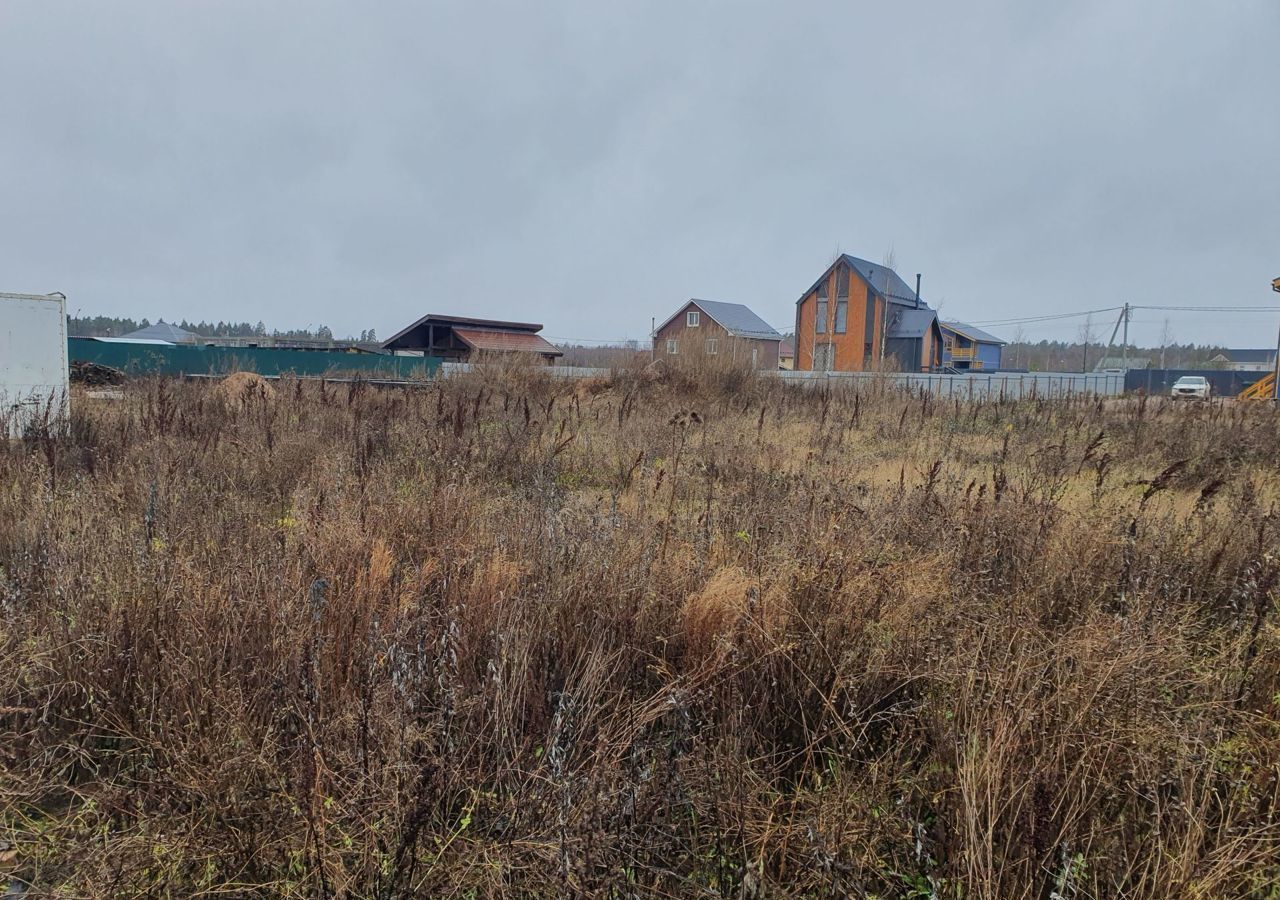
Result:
[
  {"x": 670, "y": 634},
  {"x": 240, "y": 389}
]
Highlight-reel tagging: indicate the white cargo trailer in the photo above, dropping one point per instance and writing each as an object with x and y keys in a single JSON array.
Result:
[{"x": 33, "y": 361}]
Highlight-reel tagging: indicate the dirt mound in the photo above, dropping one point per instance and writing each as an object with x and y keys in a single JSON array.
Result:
[
  {"x": 94, "y": 374},
  {"x": 240, "y": 389}
]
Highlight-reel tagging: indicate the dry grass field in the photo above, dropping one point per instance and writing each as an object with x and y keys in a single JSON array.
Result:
[{"x": 647, "y": 636}]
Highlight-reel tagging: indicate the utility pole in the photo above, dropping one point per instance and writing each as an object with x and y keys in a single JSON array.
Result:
[
  {"x": 1111, "y": 341},
  {"x": 1124, "y": 350}
]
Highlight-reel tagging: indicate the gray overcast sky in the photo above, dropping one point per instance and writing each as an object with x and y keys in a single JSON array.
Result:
[{"x": 590, "y": 165}]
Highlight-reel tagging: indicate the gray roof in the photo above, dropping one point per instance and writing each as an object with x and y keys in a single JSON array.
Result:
[
  {"x": 977, "y": 334},
  {"x": 163, "y": 331},
  {"x": 905, "y": 322},
  {"x": 1119, "y": 362},
  {"x": 884, "y": 280},
  {"x": 1249, "y": 356},
  {"x": 738, "y": 320}
]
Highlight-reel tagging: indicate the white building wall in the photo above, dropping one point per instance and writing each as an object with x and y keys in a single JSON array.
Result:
[{"x": 33, "y": 360}]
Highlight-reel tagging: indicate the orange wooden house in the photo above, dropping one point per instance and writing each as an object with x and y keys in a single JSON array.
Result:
[{"x": 859, "y": 316}]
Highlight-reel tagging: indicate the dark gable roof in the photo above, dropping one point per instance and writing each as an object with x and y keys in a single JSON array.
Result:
[
  {"x": 905, "y": 322},
  {"x": 975, "y": 334},
  {"x": 883, "y": 280},
  {"x": 506, "y": 341},
  {"x": 394, "y": 342},
  {"x": 1249, "y": 356},
  {"x": 734, "y": 318}
]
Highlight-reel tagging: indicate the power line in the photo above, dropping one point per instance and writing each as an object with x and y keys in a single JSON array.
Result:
[
  {"x": 603, "y": 341},
  {"x": 1029, "y": 319},
  {"x": 1266, "y": 309}
]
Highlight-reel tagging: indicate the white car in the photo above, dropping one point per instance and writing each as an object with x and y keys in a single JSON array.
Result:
[{"x": 1192, "y": 387}]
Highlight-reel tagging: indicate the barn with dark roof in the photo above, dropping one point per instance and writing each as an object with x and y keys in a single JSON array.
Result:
[{"x": 462, "y": 339}]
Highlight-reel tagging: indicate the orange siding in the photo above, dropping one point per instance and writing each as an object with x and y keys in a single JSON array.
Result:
[{"x": 849, "y": 346}]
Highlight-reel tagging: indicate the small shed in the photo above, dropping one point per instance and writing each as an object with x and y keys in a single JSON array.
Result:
[
  {"x": 459, "y": 338},
  {"x": 913, "y": 336}
]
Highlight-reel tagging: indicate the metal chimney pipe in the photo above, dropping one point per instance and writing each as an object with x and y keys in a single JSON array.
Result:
[{"x": 917, "y": 290}]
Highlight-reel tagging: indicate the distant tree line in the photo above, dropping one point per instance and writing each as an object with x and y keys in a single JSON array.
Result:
[
  {"x": 114, "y": 326},
  {"x": 1076, "y": 356}
]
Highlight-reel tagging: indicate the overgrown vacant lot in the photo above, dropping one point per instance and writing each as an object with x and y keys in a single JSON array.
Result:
[{"x": 509, "y": 636}]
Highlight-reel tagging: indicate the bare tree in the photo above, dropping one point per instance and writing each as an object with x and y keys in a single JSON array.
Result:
[
  {"x": 1086, "y": 338},
  {"x": 1166, "y": 335}
]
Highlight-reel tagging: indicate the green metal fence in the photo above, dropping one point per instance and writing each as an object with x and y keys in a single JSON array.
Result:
[{"x": 158, "y": 359}]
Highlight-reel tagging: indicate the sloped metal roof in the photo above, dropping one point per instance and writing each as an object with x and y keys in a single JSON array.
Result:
[
  {"x": 884, "y": 280},
  {"x": 906, "y": 322},
  {"x": 408, "y": 339},
  {"x": 163, "y": 331},
  {"x": 128, "y": 340},
  {"x": 738, "y": 320},
  {"x": 1249, "y": 356},
  {"x": 507, "y": 341},
  {"x": 976, "y": 334},
  {"x": 1119, "y": 362}
]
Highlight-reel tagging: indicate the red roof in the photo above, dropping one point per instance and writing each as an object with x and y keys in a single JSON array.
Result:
[{"x": 507, "y": 341}]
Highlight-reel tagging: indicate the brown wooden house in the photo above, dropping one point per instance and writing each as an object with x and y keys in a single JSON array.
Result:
[
  {"x": 860, "y": 316},
  {"x": 708, "y": 330}
]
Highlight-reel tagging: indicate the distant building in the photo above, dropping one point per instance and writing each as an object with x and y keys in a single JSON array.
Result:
[
  {"x": 787, "y": 354},
  {"x": 163, "y": 331},
  {"x": 858, "y": 316},
  {"x": 1120, "y": 364},
  {"x": 1246, "y": 360},
  {"x": 711, "y": 329},
  {"x": 461, "y": 339},
  {"x": 965, "y": 347}
]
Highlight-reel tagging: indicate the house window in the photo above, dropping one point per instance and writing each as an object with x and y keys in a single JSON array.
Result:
[
  {"x": 842, "y": 284},
  {"x": 711, "y": 346},
  {"x": 820, "y": 325},
  {"x": 842, "y": 316},
  {"x": 672, "y": 347},
  {"x": 755, "y": 357},
  {"x": 692, "y": 318}
]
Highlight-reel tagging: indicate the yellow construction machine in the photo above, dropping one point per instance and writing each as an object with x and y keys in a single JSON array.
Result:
[{"x": 1264, "y": 388}]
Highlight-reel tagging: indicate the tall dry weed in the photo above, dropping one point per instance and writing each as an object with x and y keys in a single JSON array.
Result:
[{"x": 668, "y": 633}]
